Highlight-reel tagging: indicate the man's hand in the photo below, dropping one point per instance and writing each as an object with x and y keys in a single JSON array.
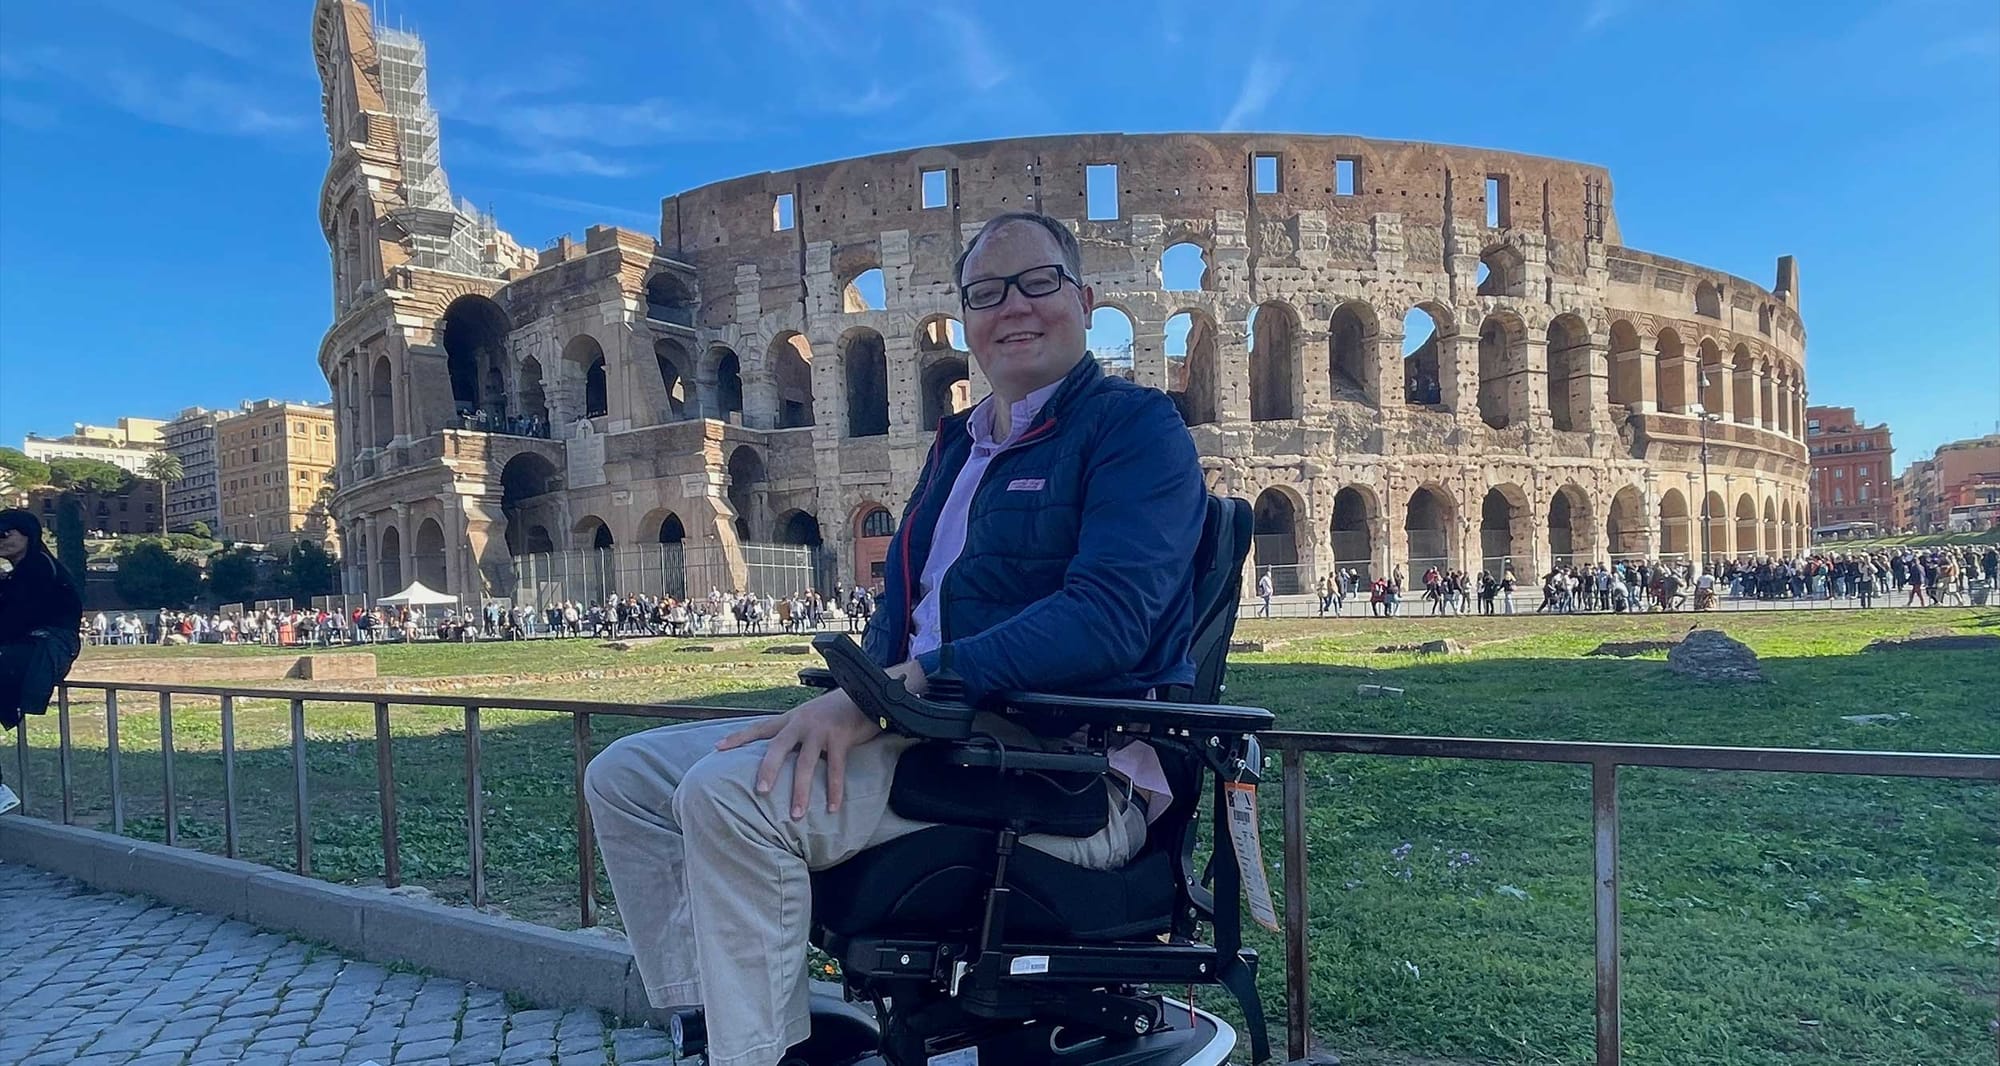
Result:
[{"x": 828, "y": 725}]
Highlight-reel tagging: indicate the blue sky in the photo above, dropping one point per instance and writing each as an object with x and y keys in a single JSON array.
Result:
[{"x": 159, "y": 159}]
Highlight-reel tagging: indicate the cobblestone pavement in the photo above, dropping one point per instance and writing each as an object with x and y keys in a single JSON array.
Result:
[{"x": 105, "y": 980}]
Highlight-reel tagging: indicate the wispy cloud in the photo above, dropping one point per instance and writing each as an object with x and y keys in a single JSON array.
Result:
[
  {"x": 1261, "y": 82},
  {"x": 595, "y": 210},
  {"x": 192, "y": 101},
  {"x": 28, "y": 114},
  {"x": 978, "y": 61},
  {"x": 195, "y": 27},
  {"x": 1600, "y": 12}
]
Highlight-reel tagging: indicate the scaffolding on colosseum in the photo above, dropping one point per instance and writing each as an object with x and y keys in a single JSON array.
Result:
[{"x": 445, "y": 233}]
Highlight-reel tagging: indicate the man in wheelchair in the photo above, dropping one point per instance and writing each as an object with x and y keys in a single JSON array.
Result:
[{"x": 929, "y": 816}]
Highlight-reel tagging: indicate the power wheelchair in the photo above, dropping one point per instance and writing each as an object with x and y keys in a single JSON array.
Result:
[{"x": 973, "y": 951}]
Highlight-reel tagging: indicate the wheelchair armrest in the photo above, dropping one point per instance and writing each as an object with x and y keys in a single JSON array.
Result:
[
  {"x": 1200, "y": 719},
  {"x": 817, "y": 677}
]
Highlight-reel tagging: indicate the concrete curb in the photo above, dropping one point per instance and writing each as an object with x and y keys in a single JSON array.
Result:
[{"x": 550, "y": 967}]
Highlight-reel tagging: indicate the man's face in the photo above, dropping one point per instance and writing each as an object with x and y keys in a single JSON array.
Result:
[
  {"x": 13, "y": 545},
  {"x": 1024, "y": 343}
]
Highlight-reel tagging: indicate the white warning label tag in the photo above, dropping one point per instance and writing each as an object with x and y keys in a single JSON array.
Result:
[
  {"x": 1250, "y": 853},
  {"x": 1029, "y": 964},
  {"x": 965, "y": 1056}
]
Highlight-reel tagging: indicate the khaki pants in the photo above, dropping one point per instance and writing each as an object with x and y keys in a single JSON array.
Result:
[{"x": 712, "y": 881}]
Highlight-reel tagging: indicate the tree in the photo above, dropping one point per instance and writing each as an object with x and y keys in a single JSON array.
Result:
[
  {"x": 19, "y": 473},
  {"x": 308, "y": 571},
  {"x": 151, "y": 576},
  {"x": 232, "y": 576},
  {"x": 69, "y": 536},
  {"x": 200, "y": 529},
  {"x": 88, "y": 475},
  {"x": 165, "y": 468}
]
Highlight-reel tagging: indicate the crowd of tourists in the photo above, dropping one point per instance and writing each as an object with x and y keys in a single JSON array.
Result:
[{"x": 616, "y": 616}]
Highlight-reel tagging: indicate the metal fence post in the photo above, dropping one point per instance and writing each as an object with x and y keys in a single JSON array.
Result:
[
  {"x": 475, "y": 813},
  {"x": 1298, "y": 1016},
  {"x": 301, "y": 809},
  {"x": 229, "y": 776},
  {"x": 1604, "y": 822}
]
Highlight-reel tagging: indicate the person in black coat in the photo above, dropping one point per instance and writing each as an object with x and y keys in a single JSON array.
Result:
[{"x": 40, "y": 615}]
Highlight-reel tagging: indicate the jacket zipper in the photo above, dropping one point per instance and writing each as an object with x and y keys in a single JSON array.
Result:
[
  {"x": 1033, "y": 436},
  {"x": 909, "y": 590}
]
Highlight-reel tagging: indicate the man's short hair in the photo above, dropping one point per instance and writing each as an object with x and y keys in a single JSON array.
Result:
[{"x": 1072, "y": 254}]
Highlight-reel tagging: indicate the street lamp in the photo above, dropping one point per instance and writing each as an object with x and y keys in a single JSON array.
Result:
[{"x": 1701, "y": 413}]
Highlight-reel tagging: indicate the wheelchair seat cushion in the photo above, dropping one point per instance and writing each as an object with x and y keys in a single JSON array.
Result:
[
  {"x": 933, "y": 882},
  {"x": 927, "y": 788}
]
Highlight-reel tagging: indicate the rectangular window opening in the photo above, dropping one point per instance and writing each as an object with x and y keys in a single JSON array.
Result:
[
  {"x": 1497, "y": 207},
  {"x": 1346, "y": 176},
  {"x": 1264, "y": 173},
  {"x": 781, "y": 212},
  {"x": 1100, "y": 191},
  {"x": 937, "y": 188}
]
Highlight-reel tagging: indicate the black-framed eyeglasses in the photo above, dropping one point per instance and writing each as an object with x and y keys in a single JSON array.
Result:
[{"x": 1034, "y": 283}]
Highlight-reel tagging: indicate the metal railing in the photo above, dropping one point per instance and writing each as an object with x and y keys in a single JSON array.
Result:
[{"x": 1604, "y": 760}]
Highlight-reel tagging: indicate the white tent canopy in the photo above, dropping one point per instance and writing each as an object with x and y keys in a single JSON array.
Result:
[{"x": 418, "y": 595}]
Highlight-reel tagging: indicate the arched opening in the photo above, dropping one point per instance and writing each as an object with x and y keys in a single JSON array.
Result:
[
  {"x": 873, "y": 527},
  {"x": 390, "y": 561},
  {"x": 1783, "y": 387},
  {"x": 1743, "y": 379},
  {"x": 592, "y": 538},
  {"x": 1108, "y": 338},
  {"x": 538, "y": 541},
  {"x": 1502, "y": 272},
  {"x": 1714, "y": 380},
  {"x": 1423, "y": 335},
  {"x": 670, "y": 545},
  {"x": 1767, "y": 405},
  {"x": 1193, "y": 376},
  {"x": 1625, "y": 526},
  {"x": 1427, "y": 524},
  {"x": 671, "y": 530},
  {"x": 1274, "y": 541},
  {"x": 1675, "y": 527},
  {"x": 1746, "y": 525},
  {"x": 583, "y": 362},
  {"x": 798, "y": 527},
  {"x": 1273, "y": 362},
  {"x": 747, "y": 493},
  {"x": 865, "y": 362},
  {"x": 1503, "y": 531},
  {"x": 865, "y": 291},
  {"x": 1627, "y": 386},
  {"x": 728, "y": 384},
  {"x": 1707, "y": 300},
  {"x": 534, "y": 403},
  {"x": 1184, "y": 268},
  {"x": 429, "y": 556},
  {"x": 1502, "y": 356},
  {"x": 1353, "y": 371},
  {"x": 1672, "y": 385},
  {"x": 1353, "y": 532},
  {"x": 1569, "y": 373},
  {"x": 943, "y": 375},
  {"x": 673, "y": 363},
  {"x": 668, "y": 300},
  {"x": 474, "y": 334},
  {"x": 349, "y": 268},
  {"x": 596, "y": 390},
  {"x": 525, "y": 479},
  {"x": 790, "y": 357},
  {"x": 1569, "y": 527},
  {"x": 1770, "y": 541},
  {"x": 1801, "y": 532},
  {"x": 382, "y": 405},
  {"x": 1716, "y": 518}
]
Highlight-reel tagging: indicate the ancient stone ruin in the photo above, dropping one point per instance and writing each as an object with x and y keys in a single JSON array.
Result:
[{"x": 1712, "y": 655}]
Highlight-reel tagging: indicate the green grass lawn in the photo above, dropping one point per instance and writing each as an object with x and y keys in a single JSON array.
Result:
[{"x": 1768, "y": 918}]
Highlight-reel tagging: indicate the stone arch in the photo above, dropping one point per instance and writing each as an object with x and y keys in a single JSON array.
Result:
[
  {"x": 1743, "y": 384},
  {"x": 1716, "y": 519},
  {"x": 864, "y": 362},
  {"x": 864, "y": 290},
  {"x": 790, "y": 359},
  {"x": 1707, "y": 300},
  {"x": 1801, "y": 532},
  {"x": 428, "y": 556},
  {"x": 1194, "y": 376},
  {"x": 1275, "y": 539},
  {"x": 1503, "y": 356},
  {"x": 1625, "y": 525},
  {"x": 1184, "y": 267},
  {"x": 1628, "y": 367},
  {"x": 670, "y": 529},
  {"x": 533, "y": 401},
  {"x": 537, "y": 541},
  {"x": 382, "y": 404},
  {"x": 526, "y": 478},
  {"x": 1676, "y": 526},
  {"x": 1502, "y": 271},
  {"x": 1770, "y": 539},
  {"x": 389, "y": 561},
  {"x": 1425, "y": 329},
  {"x": 1505, "y": 530},
  {"x": 1353, "y": 337},
  {"x": 1356, "y": 512},
  {"x": 943, "y": 369},
  {"x": 1672, "y": 385},
  {"x": 1714, "y": 378},
  {"x": 749, "y": 492},
  {"x": 1430, "y": 525},
  {"x": 1109, "y": 339},
  {"x": 591, "y": 539},
  {"x": 1569, "y": 373},
  {"x": 591, "y": 533},
  {"x": 727, "y": 371},
  {"x": 798, "y": 526},
  {"x": 873, "y": 527},
  {"x": 473, "y": 332},
  {"x": 1274, "y": 332},
  {"x": 668, "y": 299},
  {"x": 1571, "y": 527},
  {"x": 583, "y": 361},
  {"x": 1746, "y": 525},
  {"x": 1767, "y": 395},
  {"x": 676, "y": 379}
]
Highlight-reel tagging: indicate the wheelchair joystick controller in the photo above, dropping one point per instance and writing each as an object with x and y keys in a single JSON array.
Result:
[{"x": 939, "y": 716}]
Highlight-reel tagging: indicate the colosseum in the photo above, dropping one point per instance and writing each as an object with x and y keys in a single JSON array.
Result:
[{"x": 1406, "y": 354}]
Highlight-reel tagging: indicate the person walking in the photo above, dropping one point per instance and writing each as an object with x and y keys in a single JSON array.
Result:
[
  {"x": 1264, "y": 591},
  {"x": 41, "y": 622}
]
